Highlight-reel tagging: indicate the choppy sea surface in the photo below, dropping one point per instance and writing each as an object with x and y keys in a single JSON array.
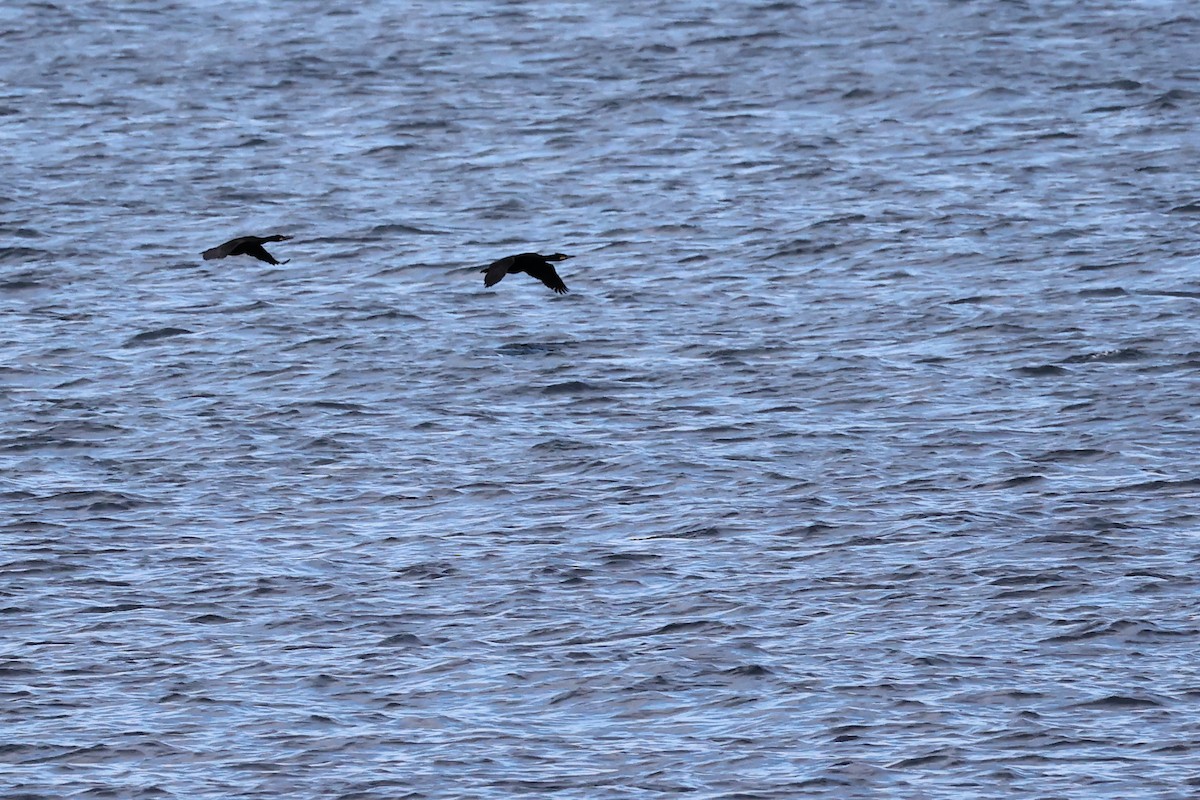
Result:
[{"x": 860, "y": 460}]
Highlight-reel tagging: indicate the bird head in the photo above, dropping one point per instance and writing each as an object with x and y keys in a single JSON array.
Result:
[
  {"x": 558, "y": 257},
  {"x": 278, "y": 237}
]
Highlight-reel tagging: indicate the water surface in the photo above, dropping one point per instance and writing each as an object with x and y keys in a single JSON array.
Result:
[{"x": 858, "y": 462}]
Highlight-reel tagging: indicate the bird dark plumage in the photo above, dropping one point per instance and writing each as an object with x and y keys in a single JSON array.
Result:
[
  {"x": 247, "y": 246},
  {"x": 533, "y": 264}
]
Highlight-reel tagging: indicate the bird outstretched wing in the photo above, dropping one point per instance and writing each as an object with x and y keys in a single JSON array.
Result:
[
  {"x": 260, "y": 252},
  {"x": 545, "y": 273},
  {"x": 221, "y": 250},
  {"x": 496, "y": 271}
]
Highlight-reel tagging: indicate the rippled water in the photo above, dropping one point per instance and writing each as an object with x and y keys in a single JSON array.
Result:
[{"x": 859, "y": 461}]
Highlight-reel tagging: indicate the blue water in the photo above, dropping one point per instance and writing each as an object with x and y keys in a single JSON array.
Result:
[{"x": 859, "y": 461}]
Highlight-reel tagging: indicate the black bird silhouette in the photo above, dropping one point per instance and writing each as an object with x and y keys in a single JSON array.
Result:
[
  {"x": 533, "y": 264},
  {"x": 247, "y": 246}
]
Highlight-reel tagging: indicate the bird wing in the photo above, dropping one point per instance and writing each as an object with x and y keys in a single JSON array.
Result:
[
  {"x": 545, "y": 273},
  {"x": 222, "y": 250},
  {"x": 496, "y": 271},
  {"x": 259, "y": 252}
]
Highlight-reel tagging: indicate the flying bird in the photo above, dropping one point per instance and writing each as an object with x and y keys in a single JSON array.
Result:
[
  {"x": 247, "y": 246},
  {"x": 533, "y": 264}
]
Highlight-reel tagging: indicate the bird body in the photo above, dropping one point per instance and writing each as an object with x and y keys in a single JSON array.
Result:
[
  {"x": 533, "y": 264},
  {"x": 247, "y": 246}
]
